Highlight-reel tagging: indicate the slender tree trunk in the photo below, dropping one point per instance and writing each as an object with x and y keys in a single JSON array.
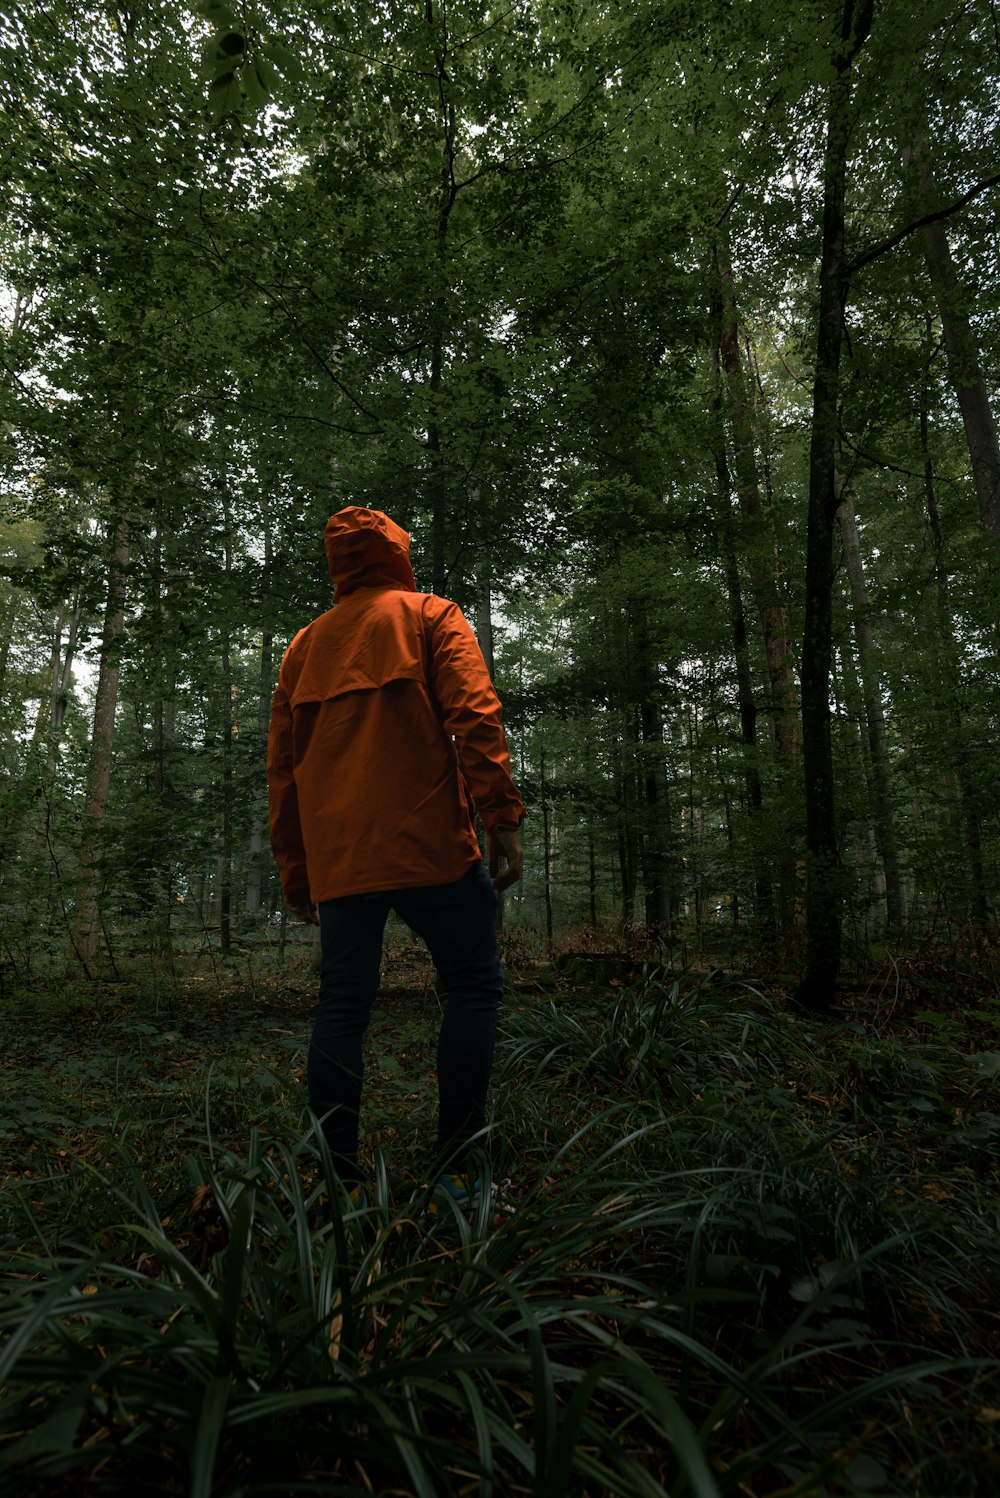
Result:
[
  {"x": 656, "y": 836},
  {"x": 628, "y": 838},
  {"x": 87, "y": 925},
  {"x": 854, "y": 699},
  {"x": 824, "y": 887},
  {"x": 884, "y": 826},
  {"x": 759, "y": 544},
  {"x": 47, "y": 696},
  {"x": 8, "y": 621},
  {"x": 484, "y": 634},
  {"x": 484, "y": 627},
  {"x": 258, "y": 817},
  {"x": 228, "y": 728},
  {"x": 446, "y": 202},
  {"x": 971, "y": 823},
  {"x": 764, "y": 914},
  {"x": 61, "y": 687},
  {"x": 964, "y": 369},
  {"x": 546, "y": 846},
  {"x": 258, "y": 823}
]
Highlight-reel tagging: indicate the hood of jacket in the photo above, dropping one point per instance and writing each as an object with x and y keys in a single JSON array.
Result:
[{"x": 365, "y": 549}]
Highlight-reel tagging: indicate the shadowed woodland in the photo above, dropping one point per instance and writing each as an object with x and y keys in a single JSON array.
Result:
[{"x": 670, "y": 333}]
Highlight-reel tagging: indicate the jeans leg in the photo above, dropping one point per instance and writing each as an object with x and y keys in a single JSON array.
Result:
[
  {"x": 458, "y": 923},
  {"x": 351, "y": 935}
]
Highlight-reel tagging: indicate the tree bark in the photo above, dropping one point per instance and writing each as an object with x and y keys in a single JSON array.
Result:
[
  {"x": 871, "y": 690},
  {"x": 971, "y": 822},
  {"x": 964, "y": 369},
  {"x": 824, "y": 888},
  {"x": 546, "y": 846},
  {"x": 656, "y": 834},
  {"x": 759, "y": 546},
  {"x": 764, "y": 914},
  {"x": 259, "y": 816},
  {"x": 87, "y": 926},
  {"x": 228, "y": 734},
  {"x": 8, "y": 620}
]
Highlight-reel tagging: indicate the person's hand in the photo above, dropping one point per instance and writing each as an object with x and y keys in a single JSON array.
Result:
[
  {"x": 505, "y": 848},
  {"x": 302, "y": 908}
]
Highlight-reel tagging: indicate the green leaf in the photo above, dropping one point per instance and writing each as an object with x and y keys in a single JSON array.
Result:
[
  {"x": 217, "y": 12},
  {"x": 256, "y": 89},
  {"x": 284, "y": 60},
  {"x": 224, "y": 97}
]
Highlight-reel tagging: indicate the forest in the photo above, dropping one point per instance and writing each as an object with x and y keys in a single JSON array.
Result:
[{"x": 671, "y": 333}]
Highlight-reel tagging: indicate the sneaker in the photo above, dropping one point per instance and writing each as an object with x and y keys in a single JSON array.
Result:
[
  {"x": 354, "y": 1202},
  {"x": 455, "y": 1187}
]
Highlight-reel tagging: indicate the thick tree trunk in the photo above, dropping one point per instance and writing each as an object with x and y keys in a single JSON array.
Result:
[
  {"x": 824, "y": 891},
  {"x": 87, "y": 925},
  {"x": 884, "y": 827}
]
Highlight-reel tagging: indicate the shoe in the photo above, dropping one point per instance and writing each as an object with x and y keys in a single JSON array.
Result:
[
  {"x": 455, "y": 1187},
  {"x": 355, "y": 1201}
]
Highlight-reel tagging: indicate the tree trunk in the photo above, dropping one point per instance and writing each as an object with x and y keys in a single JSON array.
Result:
[
  {"x": 853, "y": 697},
  {"x": 228, "y": 734},
  {"x": 8, "y": 620},
  {"x": 764, "y": 915},
  {"x": 759, "y": 545},
  {"x": 628, "y": 839},
  {"x": 964, "y": 369},
  {"x": 87, "y": 924},
  {"x": 259, "y": 839},
  {"x": 258, "y": 814},
  {"x": 546, "y": 847},
  {"x": 971, "y": 823},
  {"x": 885, "y": 831},
  {"x": 824, "y": 889},
  {"x": 656, "y": 836},
  {"x": 60, "y": 688},
  {"x": 439, "y": 311}
]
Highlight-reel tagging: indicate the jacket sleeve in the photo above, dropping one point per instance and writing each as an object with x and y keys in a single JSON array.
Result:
[
  {"x": 471, "y": 712},
  {"x": 283, "y": 800}
]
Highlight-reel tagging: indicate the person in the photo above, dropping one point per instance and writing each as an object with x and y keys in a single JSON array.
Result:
[{"x": 385, "y": 738}]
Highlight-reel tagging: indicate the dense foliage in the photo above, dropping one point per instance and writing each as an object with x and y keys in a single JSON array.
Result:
[{"x": 671, "y": 334}]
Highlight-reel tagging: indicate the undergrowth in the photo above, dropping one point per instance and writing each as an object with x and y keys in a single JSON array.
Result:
[{"x": 729, "y": 1252}]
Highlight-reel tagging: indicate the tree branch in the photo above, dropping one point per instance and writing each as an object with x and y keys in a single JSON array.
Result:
[{"x": 921, "y": 223}]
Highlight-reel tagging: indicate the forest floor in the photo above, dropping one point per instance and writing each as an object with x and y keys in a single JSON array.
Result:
[{"x": 728, "y": 1251}]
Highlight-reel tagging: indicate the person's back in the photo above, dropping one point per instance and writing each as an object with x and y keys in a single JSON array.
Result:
[{"x": 384, "y": 726}]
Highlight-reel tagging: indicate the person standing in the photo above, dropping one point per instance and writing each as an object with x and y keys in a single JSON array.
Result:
[{"x": 385, "y": 739}]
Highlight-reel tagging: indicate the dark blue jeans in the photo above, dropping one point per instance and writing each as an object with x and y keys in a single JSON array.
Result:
[{"x": 458, "y": 923}]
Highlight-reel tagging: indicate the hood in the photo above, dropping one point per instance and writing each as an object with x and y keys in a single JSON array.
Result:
[{"x": 365, "y": 549}]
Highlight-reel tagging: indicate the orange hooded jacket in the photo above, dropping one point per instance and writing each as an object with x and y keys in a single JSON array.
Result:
[{"x": 373, "y": 699}]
